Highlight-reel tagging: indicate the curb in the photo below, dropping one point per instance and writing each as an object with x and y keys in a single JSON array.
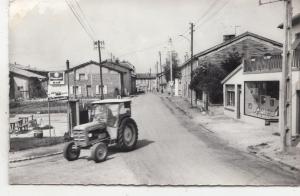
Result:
[
  {"x": 35, "y": 157},
  {"x": 264, "y": 157},
  {"x": 280, "y": 163}
]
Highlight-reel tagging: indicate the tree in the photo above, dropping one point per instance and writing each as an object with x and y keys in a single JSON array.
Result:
[
  {"x": 207, "y": 77},
  {"x": 175, "y": 67},
  {"x": 232, "y": 60}
]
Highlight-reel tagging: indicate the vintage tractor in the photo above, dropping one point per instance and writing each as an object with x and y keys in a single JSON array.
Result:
[{"x": 110, "y": 124}]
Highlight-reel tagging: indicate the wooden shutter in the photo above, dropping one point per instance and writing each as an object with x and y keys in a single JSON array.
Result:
[
  {"x": 71, "y": 90},
  {"x": 79, "y": 90},
  {"x": 77, "y": 76},
  {"x": 97, "y": 89},
  {"x": 105, "y": 89},
  {"x": 86, "y": 76}
]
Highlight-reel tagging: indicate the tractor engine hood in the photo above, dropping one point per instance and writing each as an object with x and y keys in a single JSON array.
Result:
[{"x": 91, "y": 126}]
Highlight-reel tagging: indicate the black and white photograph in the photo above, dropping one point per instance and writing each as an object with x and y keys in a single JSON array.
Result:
[{"x": 167, "y": 93}]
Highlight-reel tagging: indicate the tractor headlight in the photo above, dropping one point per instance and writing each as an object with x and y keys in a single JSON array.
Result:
[{"x": 90, "y": 135}]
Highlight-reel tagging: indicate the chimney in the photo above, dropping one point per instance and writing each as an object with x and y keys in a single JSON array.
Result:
[{"x": 228, "y": 37}]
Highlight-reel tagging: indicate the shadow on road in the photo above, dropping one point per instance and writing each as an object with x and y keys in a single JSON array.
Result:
[{"x": 114, "y": 150}]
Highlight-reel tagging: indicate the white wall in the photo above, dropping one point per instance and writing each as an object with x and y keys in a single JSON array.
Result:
[{"x": 240, "y": 78}]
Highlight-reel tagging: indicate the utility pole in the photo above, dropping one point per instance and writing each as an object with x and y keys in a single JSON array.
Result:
[
  {"x": 171, "y": 66},
  {"x": 68, "y": 105},
  {"x": 157, "y": 76},
  {"x": 286, "y": 86},
  {"x": 285, "y": 109},
  {"x": 100, "y": 44},
  {"x": 150, "y": 80},
  {"x": 160, "y": 81},
  {"x": 192, "y": 54}
]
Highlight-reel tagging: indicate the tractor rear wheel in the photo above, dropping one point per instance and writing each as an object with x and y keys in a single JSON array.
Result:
[
  {"x": 71, "y": 152},
  {"x": 99, "y": 152},
  {"x": 127, "y": 134}
]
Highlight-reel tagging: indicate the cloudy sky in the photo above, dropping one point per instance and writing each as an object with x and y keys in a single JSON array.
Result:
[{"x": 45, "y": 33}]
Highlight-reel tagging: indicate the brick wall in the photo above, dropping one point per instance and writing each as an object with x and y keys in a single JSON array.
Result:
[{"x": 91, "y": 81}]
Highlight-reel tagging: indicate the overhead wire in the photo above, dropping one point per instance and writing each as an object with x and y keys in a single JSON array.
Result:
[
  {"x": 208, "y": 10},
  {"x": 84, "y": 17},
  {"x": 70, "y": 5}
]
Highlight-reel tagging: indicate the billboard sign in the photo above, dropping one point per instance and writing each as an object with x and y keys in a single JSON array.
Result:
[
  {"x": 57, "y": 92},
  {"x": 57, "y": 89},
  {"x": 57, "y": 77}
]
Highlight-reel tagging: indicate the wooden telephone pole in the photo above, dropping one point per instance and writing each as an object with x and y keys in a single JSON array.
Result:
[
  {"x": 100, "y": 44},
  {"x": 192, "y": 54},
  {"x": 285, "y": 108},
  {"x": 286, "y": 81}
]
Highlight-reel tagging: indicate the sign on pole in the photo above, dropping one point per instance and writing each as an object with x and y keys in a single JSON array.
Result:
[{"x": 57, "y": 87}]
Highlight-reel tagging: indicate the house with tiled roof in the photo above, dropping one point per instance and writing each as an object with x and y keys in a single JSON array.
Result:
[
  {"x": 252, "y": 90},
  {"x": 25, "y": 84},
  {"x": 118, "y": 78},
  {"x": 247, "y": 45}
]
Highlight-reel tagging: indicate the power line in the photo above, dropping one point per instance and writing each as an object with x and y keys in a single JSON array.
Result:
[
  {"x": 185, "y": 32},
  {"x": 213, "y": 14},
  {"x": 207, "y": 11},
  {"x": 84, "y": 17},
  {"x": 79, "y": 19}
]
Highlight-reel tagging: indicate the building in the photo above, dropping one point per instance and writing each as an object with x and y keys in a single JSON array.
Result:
[
  {"x": 247, "y": 45},
  {"x": 26, "y": 84},
  {"x": 251, "y": 91},
  {"x": 84, "y": 79},
  {"x": 146, "y": 82}
]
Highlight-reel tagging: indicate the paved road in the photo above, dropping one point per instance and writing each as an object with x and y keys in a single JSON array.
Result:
[{"x": 171, "y": 151}]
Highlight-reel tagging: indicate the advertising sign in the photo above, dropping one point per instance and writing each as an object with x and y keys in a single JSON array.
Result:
[
  {"x": 57, "y": 92},
  {"x": 57, "y": 89},
  {"x": 57, "y": 77}
]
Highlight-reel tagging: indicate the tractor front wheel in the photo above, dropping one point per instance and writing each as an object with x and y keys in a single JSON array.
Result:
[
  {"x": 127, "y": 134},
  {"x": 71, "y": 152},
  {"x": 99, "y": 152}
]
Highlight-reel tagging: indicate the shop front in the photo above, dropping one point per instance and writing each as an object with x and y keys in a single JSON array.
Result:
[{"x": 261, "y": 99}]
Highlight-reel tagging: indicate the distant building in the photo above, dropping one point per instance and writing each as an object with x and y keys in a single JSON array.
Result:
[
  {"x": 26, "y": 84},
  {"x": 145, "y": 82},
  {"x": 84, "y": 79},
  {"x": 247, "y": 45}
]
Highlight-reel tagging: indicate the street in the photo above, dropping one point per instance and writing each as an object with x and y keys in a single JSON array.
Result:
[{"x": 170, "y": 151}]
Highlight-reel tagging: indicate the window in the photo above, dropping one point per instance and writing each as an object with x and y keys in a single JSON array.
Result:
[
  {"x": 20, "y": 88},
  {"x": 82, "y": 76},
  {"x": 230, "y": 95}
]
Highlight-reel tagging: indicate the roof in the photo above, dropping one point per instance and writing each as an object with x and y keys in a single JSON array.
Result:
[
  {"x": 145, "y": 76},
  {"x": 104, "y": 101},
  {"x": 226, "y": 43},
  {"x": 24, "y": 73},
  {"x": 107, "y": 64},
  {"x": 231, "y": 74},
  {"x": 295, "y": 21}
]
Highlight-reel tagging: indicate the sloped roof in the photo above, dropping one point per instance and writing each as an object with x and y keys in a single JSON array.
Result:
[
  {"x": 231, "y": 74},
  {"x": 24, "y": 73},
  {"x": 145, "y": 76},
  {"x": 295, "y": 21},
  {"x": 106, "y": 64},
  {"x": 236, "y": 39}
]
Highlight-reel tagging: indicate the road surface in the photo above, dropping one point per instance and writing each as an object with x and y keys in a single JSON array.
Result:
[{"x": 171, "y": 151}]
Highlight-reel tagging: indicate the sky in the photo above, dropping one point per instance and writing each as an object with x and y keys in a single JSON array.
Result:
[{"x": 45, "y": 33}]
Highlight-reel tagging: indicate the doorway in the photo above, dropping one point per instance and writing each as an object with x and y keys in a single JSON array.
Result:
[
  {"x": 238, "y": 103},
  {"x": 88, "y": 90},
  {"x": 298, "y": 112}
]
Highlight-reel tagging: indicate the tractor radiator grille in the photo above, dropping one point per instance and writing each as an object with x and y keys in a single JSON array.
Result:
[{"x": 79, "y": 135}]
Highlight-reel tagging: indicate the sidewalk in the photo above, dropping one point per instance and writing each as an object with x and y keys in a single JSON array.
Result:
[
  {"x": 34, "y": 153},
  {"x": 263, "y": 141}
]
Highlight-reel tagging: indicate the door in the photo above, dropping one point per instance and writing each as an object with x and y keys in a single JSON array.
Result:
[
  {"x": 298, "y": 112},
  {"x": 88, "y": 90},
  {"x": 238, "y": 104}
]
